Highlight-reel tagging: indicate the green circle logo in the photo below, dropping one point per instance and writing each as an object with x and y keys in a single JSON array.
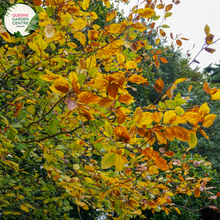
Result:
[{"x": 20, "y": 20}]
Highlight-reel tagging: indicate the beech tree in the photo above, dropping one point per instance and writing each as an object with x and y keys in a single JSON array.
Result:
[{"x": 69, "y": 134}]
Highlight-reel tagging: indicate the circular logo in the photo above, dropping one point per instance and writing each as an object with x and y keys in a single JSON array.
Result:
[{"x": 20, "y": 20}]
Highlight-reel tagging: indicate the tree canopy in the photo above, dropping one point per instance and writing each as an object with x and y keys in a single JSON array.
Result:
[{"x": 71, "y": 134}]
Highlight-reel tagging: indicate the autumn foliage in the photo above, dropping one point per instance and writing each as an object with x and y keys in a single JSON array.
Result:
[{"x": 66, "y": 107}]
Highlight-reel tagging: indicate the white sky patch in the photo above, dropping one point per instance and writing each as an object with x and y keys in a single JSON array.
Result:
[{"x": 189, "y": 19}]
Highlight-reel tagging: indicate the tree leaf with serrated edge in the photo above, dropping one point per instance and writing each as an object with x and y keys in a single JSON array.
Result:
[
  {"x": 208, "y": 120},
  {"x": 181, "y": 133},
  {"x": 108, "y": 160},
  {"x": 24, "y": 208},
  {"x": 193, "y": 140},
  {"x": 168, "y": 7},
  {"x": 210, "y": 50},
  {"x": 170, "y": 104},
  {"x": 207, "y": 29},
  {"x": 108, "y": 129},
  {"x": 159, "y": 84},
  {"x": 168, "y": 14}
]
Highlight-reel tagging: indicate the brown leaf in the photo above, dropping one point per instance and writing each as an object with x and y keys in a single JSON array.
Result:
[
  {"x": 179, "y": 42},
  {"x": 168, "y": 7},
  {"x": 159, "y": 84},
  {"x": 210, "y": 50},
  {"x": 112, "y": 89},
  {"x": 88, "y": 98},
  {"x": 71, "y": 104}
]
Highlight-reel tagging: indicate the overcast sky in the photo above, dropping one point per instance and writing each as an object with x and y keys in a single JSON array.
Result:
[{"x": 189, "y": 18}]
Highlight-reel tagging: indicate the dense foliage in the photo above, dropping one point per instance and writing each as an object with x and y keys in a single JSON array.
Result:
[{"x": 71, "y": 133}]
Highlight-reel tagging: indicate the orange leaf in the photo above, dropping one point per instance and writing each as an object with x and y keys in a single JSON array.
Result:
[
  {"x": 159, "y": 84},
  {"x": 60, "y": 85},
  {"x": 88, "y": 98},
  {"x": 121, "y": 117},
  {"x": 190, "y": 88},
  {"x": 93, "y": 34},
  {"x": 179, "y": 42},
  {"x": 137, "y": 79},
  {"x": 112, "y": 89},
  {"x": 163, "y": 60},
  {"x": 110, "y": 15},
  {"x": 168, "y": 132},
  {"x": 37, "y": 2},
  {"x": 168, "y": 7},
  {"x": 126, "y": 98},
  {"x": 169, "y": 93},
  {"x": 181, "y": 133},
  {"x": 197, "y": 192},
  {"x": 105, "y": 102},
  {"x": 157, "y": 116},
  {"x": 157, "y": 63},
  {"x": 122, "y": 133},
  {"x": 169, "y": 153},
  {"x": 204, "y": 134},
  {"x": 206, "y": 88},
  {"x": 6, "y": 36},
  {"x": 160, "y": 137},
  {"x": 160, "y": 6}
]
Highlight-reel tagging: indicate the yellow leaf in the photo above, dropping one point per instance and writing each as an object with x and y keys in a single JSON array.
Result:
[
  {"x": 131, "y": 65},
  {"x": 216, "y": 95},
  {"x": 7, "y": 37},
  {"x": 24, "y": 208},
  {"x": 102, "y": 196},
  {"x": 168, "y": 115},
  {"x": 93, "y": 35},
  {"x": 190, "y": 88},
  {"x": 84, "y": 5},
  {"x": 28, "y": 205},
  {"x": 145, "y": 13},
  {"x": 180, "y": 80},
  {"x": 208, "y": 120},
  {"x": 120, "y": 58},
  {"x": 157, "y": 116},
  {"x": 177, "y": 210},
  {"x": 111, "y": 15},
  {"x": 207, "y": 29},
  {"x": 193, "y": 140},
  {"x": 107, "y": 3},
  {"x": 108, "y": 129},
  {"x": 89, "y": 168},
  {"x": 119, "y": 163},
  {"x": 79, "y": 24},
  {"x": 204, "y": 109},
  {"x": 157, "y": 41},
  {"x": 108, "y": 160},
  {"x": 60, "y": 85},
  {"x": 80, "y": 37},
  {"x": 204, "y": 134},
  {"x": 139, "y": 26},
  {"x": 88, "y": 98}
]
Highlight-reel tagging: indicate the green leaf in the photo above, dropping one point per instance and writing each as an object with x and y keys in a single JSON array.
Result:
[
  {"x": 179, "y": 110},
  {"x": 168, "y": 14},
  {"x": 170, "y": 104},
  {"x": 193, "y": 140},
  {"x": 108, "y": 129},
  {"x": 50, "y": 11},
  {"x": 165, "y": 26},
  {"x": 33, "y": 25},
  {"x": 108, "y": 160},
  {"x": 179, "y": 100}
]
